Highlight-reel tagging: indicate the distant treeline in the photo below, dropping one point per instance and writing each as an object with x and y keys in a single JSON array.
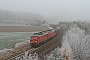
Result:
[{"x": 7, "y": 16}]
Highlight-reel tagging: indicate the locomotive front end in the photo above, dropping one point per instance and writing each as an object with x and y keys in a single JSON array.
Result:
[{"x": 34, "y": 41}]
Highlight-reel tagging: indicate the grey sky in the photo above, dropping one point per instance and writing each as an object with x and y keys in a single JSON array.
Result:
[{"x": 53, "y": 10}]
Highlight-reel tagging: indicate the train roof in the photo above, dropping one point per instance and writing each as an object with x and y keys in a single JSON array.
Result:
[
  {"x": 39, "y": 34},
  {"x": 43, "y": 32}
]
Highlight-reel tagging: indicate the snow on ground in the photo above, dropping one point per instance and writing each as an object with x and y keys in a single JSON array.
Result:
[
  {"x": 5, "y": 51},
  {"x": 28, "y": 57}
]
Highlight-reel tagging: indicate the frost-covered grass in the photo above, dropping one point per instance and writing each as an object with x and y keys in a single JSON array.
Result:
[
  {"x": 28, "y": 57},
  {"x": 9, "y": 39},
  {"x": 54, "y": 55}
]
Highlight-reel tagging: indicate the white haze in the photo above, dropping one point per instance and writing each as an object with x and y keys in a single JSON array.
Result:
[{"x": 52, "y": 10}]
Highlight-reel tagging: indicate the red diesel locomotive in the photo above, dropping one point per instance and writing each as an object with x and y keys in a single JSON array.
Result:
[{"x": 40, "y": 38}]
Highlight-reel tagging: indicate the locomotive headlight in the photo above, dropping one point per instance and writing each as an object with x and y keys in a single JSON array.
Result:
[{"x": 36, "y": 41}]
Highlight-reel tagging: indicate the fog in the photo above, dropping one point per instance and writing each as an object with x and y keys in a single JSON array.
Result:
[{"x": 52, "y": 10}]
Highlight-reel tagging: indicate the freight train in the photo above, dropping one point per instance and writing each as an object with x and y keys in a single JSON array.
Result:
[{"x": 40, "y": 38}]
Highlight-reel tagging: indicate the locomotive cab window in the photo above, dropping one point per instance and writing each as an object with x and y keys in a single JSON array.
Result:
[{"x": 35, "y": 37}]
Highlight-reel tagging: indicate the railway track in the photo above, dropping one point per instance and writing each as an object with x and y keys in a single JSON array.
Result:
[
  {"x": 20, "y": 55},
  {"x": 44, "y": 49}
]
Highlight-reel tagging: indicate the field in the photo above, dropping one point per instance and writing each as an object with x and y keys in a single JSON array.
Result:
[
  {"x": 9, "y": 39},
  {"x": 22, "y": 28}
]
